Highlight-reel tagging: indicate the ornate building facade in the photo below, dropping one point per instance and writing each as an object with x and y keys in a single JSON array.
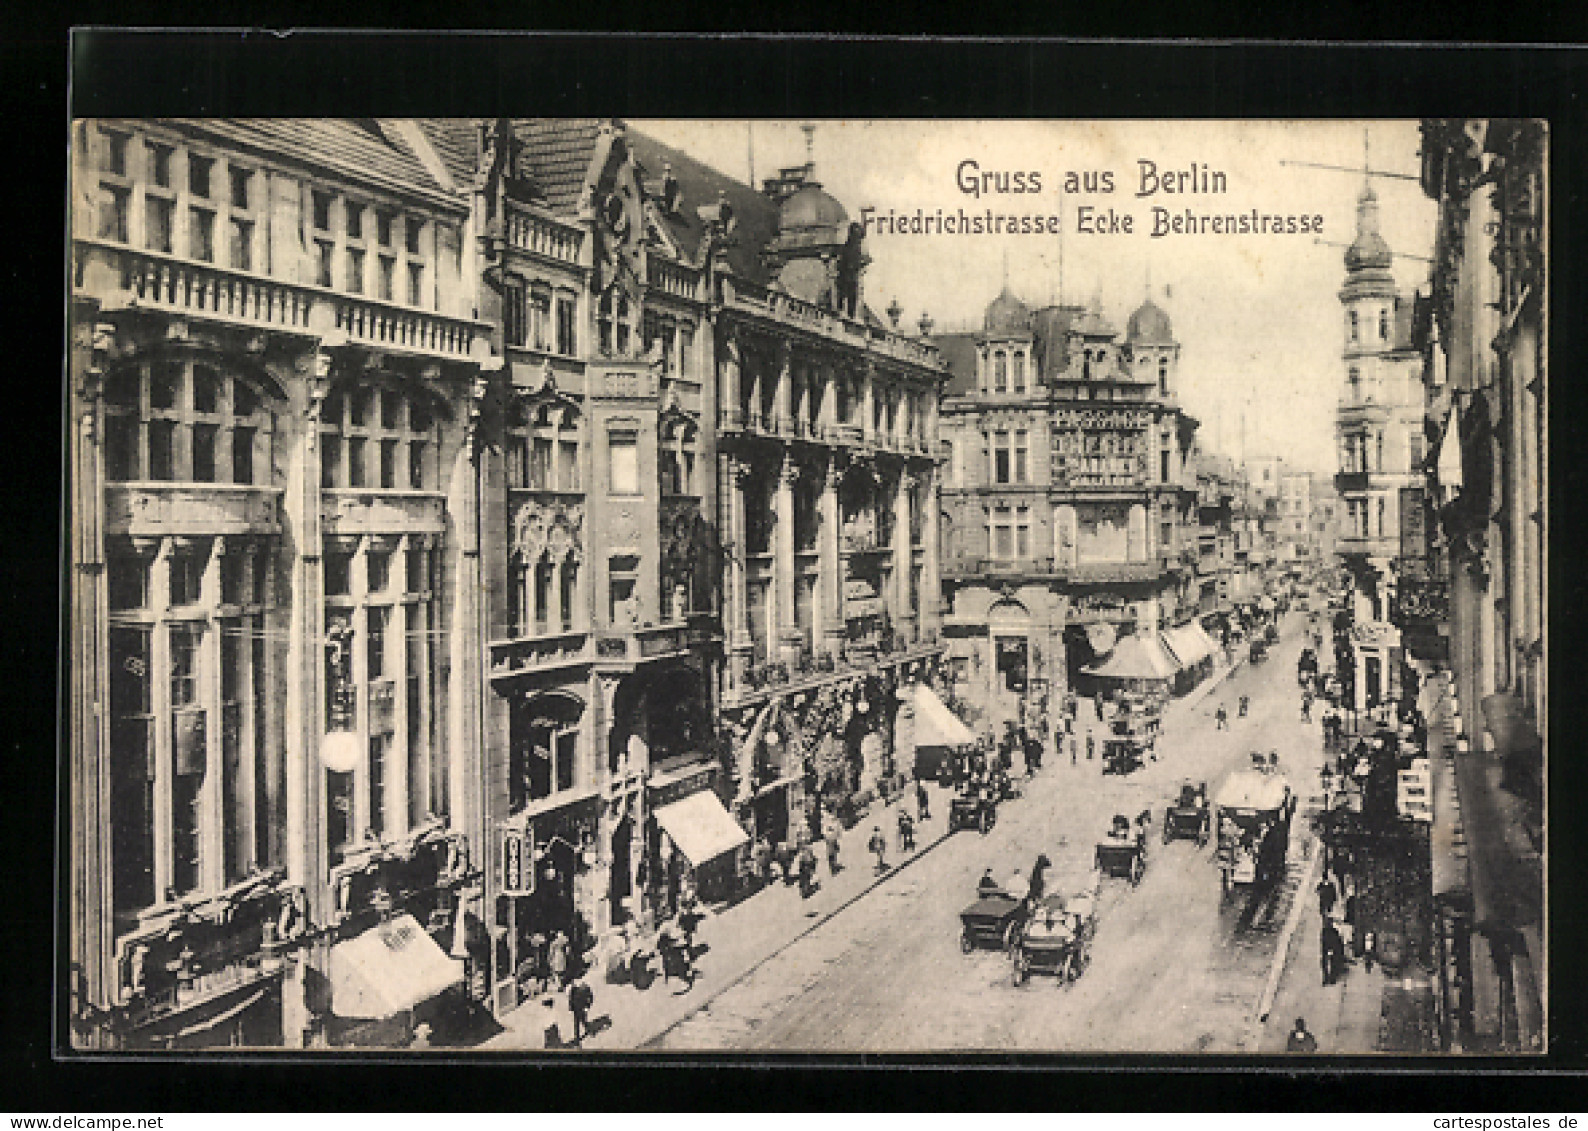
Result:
[
  {"x": 1069, "y": 512},
  {"x": 1472, "y": 594},
  {"x": 1381, "y": 446},
  {"x": 275, "y": 379}
]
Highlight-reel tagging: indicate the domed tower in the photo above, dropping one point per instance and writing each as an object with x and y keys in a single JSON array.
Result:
[
  {"x": 1369, "y": 295},
  {"x": 1150, "y": 348},
  {"x": 817, "y": 254},
  {"x": 1005, "y": 347}
]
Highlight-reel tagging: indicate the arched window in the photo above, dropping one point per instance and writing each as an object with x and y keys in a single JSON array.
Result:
[
  {"x": 187, "y": 421},
  {"x": 374, "y": 436},
  {"x": 1020, "y": 371},
  {"x": 1163, "y": 375},
  {"x": 1000, "y": 372}
]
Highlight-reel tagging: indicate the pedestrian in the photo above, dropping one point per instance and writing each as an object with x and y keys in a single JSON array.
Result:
[
  {"x": 763, "y": 861},
  {"x": 421, "y": 1039},
  {"x": 1326, "y": 896},
  {"x": 558, "y": 955},
  {"x": 831, "y": 840},
  {"x": 922, "y": 810},
  {"x": 1074, "y": 748},
  {"x": 1300, "y": 1040},
  {"x": 1306, "y": 707},
  {"x": 906, "y": 832},
  {"x": 580, "y": 999},
  {"x": 1221, "y": 718},
  {"x": 807, "y": 872},
  {"x": 1331, "y": 952},
  {"x": 1245, "y": 702},
  {"x": 879, "y": 846},
  {"x": 1091, "y": 744}
]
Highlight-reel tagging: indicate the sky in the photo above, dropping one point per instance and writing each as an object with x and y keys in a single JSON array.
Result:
[{"x": 1258, "y": 317}]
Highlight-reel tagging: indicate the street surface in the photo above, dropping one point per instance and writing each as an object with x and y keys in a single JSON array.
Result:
[{"x": 1174, "y": 968}]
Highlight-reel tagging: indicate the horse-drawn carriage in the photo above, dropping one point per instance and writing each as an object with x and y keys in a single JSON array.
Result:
[
  {"x": 973, "y": 807},
  {"x": 1189, "y": 818},
  {"x": 993, "y": 920},
  {"x": 1253, "y": 809},
  {"x": 1123, "y": 753},
  {"x": 1122, "y": 853},
  {"x": 1057, "y": 935},
  {"x": 1257, "y": 651}
]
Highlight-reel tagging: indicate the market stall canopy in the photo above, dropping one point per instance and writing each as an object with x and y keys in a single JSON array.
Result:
[
  {"x": 1140, "y": 656},
  {"x": 388, "y": 969},
  {"x": 1189, "y": 644},
  {"x": 701, "y": 827},
  {"x": 1252, "y": 789},
  {"x": 935, "y": 724}
]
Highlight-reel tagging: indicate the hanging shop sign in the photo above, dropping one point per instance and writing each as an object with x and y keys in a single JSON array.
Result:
[{"x": 518, "y": 871}]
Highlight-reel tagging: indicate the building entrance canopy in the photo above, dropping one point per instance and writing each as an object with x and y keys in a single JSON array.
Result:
[
  {"x": 388, "y": 969},
  {"x": 1139, "y": 656},
  {"x": 1189, "y": 644},
  {"x": 701, "y": 827},
  {"x": 935, "y": 724}
]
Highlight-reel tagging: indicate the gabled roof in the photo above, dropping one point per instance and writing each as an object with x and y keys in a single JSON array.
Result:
[
  {"x": 699, "y": 184},
  {"x": 959, "y": 355},
  {"x": 557, "y": 153},
  {"x": 356, "y": 149}
]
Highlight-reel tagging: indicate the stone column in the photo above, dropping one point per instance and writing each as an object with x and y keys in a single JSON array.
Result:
[
  {"x": 729, "y": 398},
  {"x": 830, "y": 586},
  {"x": 785, "y": 631},
  {"x": 868, "y": 402},
  {"x": 931, "y": 571},
  {"x": 92, "y": 916},
  {"x": 782, "y": 401},
  {"x": 903, "y": 557},
  {"x": 735, "y": 471}
]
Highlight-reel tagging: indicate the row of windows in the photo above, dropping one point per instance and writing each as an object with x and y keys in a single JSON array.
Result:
[
  {"x": 1353, "y": 325},
  {"x": 184, "y": 421},
  {"x": 527, "y": 321}
]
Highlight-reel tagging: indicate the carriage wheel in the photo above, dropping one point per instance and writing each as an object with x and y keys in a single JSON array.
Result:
[
  {"x": 1066, "y": 971},
  {"x": 982, "y": 822},
  {"x": 1136, "y": 869},
  {"x": 1020, "y": 970},
  {"x": 1202, "y": 836},
  {"x": 1011, "y": 937},
  {"x": 966, "y": 943}
]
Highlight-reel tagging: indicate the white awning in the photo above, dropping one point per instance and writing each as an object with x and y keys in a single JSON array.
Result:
[
  {"x": 1189, "y": 644},
  {"x": 935, "y": 724},
  {"x": 388, "y": 969},
  {"x": 701, "y": 827},
  {"x": 1138, "y": 656},
  {"x": 1252, "y": 789}
]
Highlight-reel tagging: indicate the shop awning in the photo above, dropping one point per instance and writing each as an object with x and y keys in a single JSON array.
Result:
[
  {"x": 388, "y": 969},
  {"x": 1252, "y": 789},
  {"x": 701, "y": 827},
  {"x": 1188, "y": 644},
  {"x": 935, "y": 724},
  {"x": 1140, "y": 656}
]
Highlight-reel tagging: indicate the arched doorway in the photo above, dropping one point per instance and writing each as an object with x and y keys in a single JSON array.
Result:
[{"x": 1009, "y": 634}]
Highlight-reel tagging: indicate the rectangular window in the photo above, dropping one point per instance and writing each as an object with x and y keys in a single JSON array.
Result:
[
  {"x": 567, "y": 465},
  {"x": 338, "y": 573},
  {"x": 624, "y": 463},
  {"x": 115, "y": 154},
  {"x": 355, "y": 221},
  {"x": 388, "y": 272},
  {"x": 206, "y": 389},
  {"x": 622, "y": 576},
  {"x": 241, "y": 183},
  {"x": 540, "y": 464},
  {"x": 1003, "y": 538},
  {"x": 513, "y": 313},
  {"x": 416, "y": 465},
  {"x": 157, "y": 224},
  {"x": 330, "y": 460},
  {"x": 261, "y": 577},
  {"x": 204, "y": 452},
  {"x": 416, "y": 284},
  {"x": 242, "y": 455},
  {"x": 378, "y": 746},
  {"x": 127, "y": 583},
  {"x": 411, "y": 227},
  {"x": 383, "y": 228},
  {"x": 1021, "y": 450},
  {"x": 185, "y": 569},
  {"x": 198, "y": 175},
  {"x": 388, "y": 463},
  {"x": 355, "y": 270},
  {"x": 567, "y": 744},
  {"x": 160, "y": 165},
  {"x": 379, "y": 565},
  {"x": 338, "y": 813},
  {"x": 355, "y": 461},
  {"x": 1001, "y": 459},
  {"x": 232, "y": 570},
  {"x": 241, "y": 251},
  {"x": 567, "y": 340},
  {"x": 375, "y": 639},
  {"x": 417, "y": 570},
  {"x": 121, "y": 448},
  {"x": 323, "y": 251},
  {"x": 1023, "y": 534},
  {"x": 322, "y": 211},
  {"x": 113, "y": 213},
  {"x": 361, "y": 408},
  {"x": 184, "y": 664},
  {"x": 162, "y": 450},
  {"x": 131, "y": 769}
]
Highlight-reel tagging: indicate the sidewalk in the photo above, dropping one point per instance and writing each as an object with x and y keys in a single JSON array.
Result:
[
  {"x": 1365, "y": 1011},
  {"x": 731, "y": 943}
]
